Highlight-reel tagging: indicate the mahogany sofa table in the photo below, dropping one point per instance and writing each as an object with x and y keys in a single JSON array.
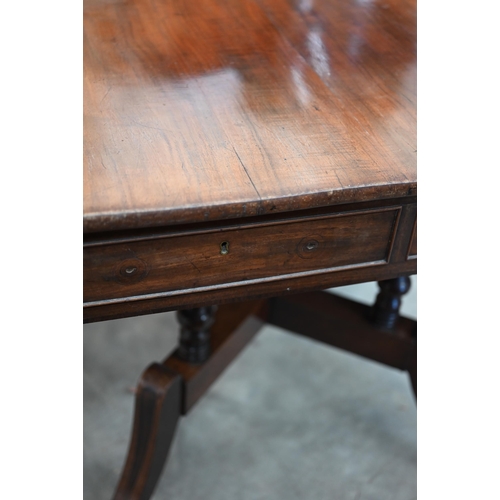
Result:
[{"x": 240, "y": 156}]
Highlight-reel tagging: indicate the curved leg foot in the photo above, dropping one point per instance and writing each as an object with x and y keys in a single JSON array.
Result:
[{"x": 157, "y": 410}]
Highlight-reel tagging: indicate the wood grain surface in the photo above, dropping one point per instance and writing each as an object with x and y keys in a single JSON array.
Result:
[{"x": 218, "y": 109}]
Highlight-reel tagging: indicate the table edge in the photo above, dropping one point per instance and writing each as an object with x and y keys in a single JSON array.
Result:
[{"x": 142, "y": 219}]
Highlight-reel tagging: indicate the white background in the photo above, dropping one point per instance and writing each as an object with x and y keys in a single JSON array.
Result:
[{"x": 41, "y": 186}]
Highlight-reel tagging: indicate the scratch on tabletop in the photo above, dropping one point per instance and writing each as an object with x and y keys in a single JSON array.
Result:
[
  {"x": 248, "y": 175},
  {"x": 338, "y": 178},
  {"x": 105, "y": 95}
]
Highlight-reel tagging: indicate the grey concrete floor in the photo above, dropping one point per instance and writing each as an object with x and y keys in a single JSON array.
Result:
[{"x": 289, "y": 419}]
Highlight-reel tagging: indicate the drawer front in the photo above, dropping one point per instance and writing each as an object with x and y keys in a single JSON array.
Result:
[{"x": 236, "y": 255}]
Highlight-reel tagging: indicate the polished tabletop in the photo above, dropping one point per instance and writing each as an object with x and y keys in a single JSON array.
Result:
[{"x": 217, "y": 109}]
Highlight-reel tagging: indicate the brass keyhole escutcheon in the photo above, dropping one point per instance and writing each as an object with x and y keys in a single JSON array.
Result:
[{"x": 224, "y": 248}]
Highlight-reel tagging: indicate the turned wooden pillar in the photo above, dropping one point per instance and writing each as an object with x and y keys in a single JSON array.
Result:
[
  {"x": 385, "y": 311},
  {"x": 195, "y": 323}
]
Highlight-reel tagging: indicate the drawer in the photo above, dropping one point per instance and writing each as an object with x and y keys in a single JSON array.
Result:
[{"x": 177, "y": 263}]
